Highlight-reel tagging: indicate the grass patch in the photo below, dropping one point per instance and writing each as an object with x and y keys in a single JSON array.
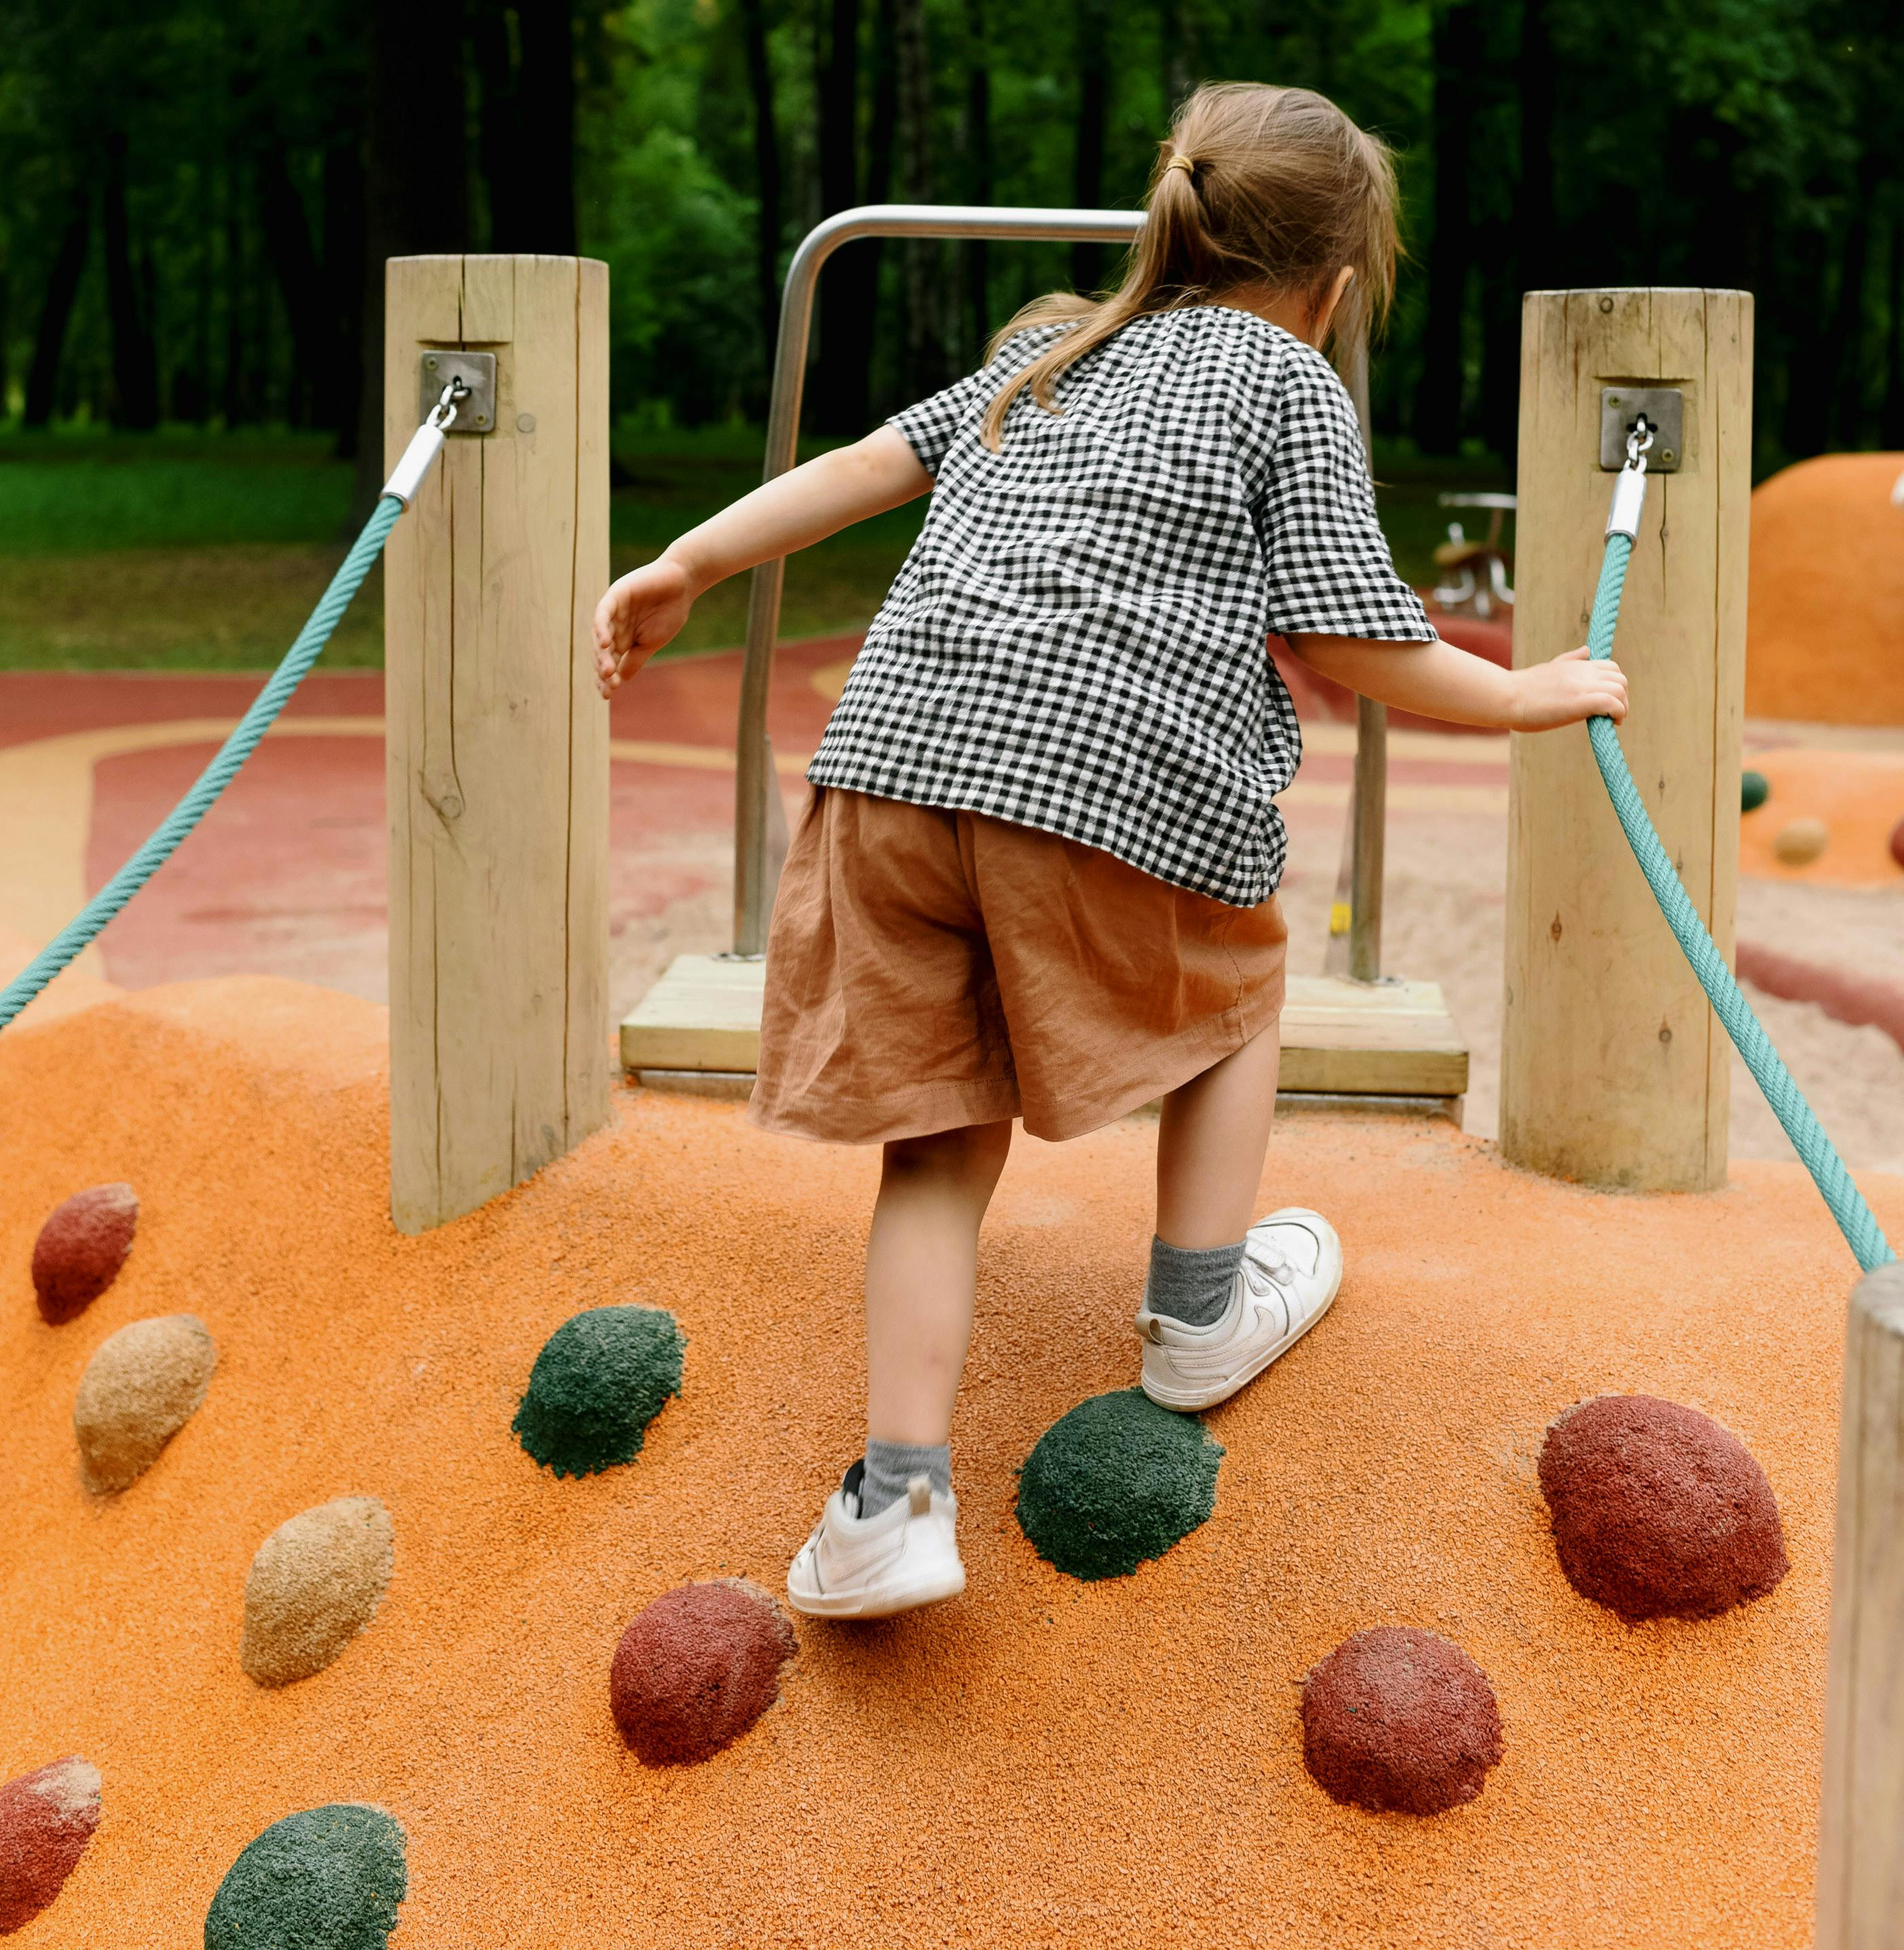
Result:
[{"x": 203, "y": 552}]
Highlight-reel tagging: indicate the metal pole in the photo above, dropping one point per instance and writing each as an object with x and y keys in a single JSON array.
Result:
[
  {"x": 755, "y": 874},
  {"x": 1369, "y": 814}
]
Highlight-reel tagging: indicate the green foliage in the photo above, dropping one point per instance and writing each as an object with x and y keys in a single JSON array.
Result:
[
  {"x": 599, "y": 1380},
  {"x": 329, "y": 1878},
  {"x": 1116, "y": 1481}
]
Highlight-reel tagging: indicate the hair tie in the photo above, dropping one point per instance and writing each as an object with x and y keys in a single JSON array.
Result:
[{"x": 1184, "y": 163}]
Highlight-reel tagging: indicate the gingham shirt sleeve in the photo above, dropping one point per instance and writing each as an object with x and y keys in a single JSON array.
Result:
[
  {"x": 1330, "y": 570},
  {"x": 929, "y": 428}
]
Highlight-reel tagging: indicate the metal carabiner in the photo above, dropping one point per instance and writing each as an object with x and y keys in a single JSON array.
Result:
[{"x": 442, "y": 415}]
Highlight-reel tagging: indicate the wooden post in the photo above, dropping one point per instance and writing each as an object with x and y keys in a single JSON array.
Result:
[
  {"x": 1861, "y": 1825},
  {"x": 1614, "y": 1070},
  {"x": 498, "y": 744}
]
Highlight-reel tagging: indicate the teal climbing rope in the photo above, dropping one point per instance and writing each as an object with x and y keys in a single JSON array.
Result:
[
  {"x": 167, "y": 839},
  {"x": 1856, "y": 1219}
]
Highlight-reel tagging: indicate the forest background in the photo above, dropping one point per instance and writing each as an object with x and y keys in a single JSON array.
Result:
[{"x": 200, "y": 193}]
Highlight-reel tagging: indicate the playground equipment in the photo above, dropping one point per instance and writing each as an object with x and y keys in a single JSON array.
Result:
[
  {"x": 1366, "y": 1038},
  {"x": 1479, "y": 569}
]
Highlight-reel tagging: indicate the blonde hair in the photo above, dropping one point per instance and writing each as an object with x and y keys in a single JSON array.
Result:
[{"x": 1270, "y": 188}]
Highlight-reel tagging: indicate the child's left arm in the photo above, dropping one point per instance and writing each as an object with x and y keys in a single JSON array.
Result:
[
  {"x": 648, "y": 607},
  {"x": 1436, "y": 679}
]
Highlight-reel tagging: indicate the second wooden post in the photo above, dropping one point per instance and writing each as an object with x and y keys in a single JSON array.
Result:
[
  {"x": 497, "y": 741},
  {"x": 1614, "y": 1070}
]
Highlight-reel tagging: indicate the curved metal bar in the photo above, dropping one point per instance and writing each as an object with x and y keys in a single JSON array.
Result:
[{"x": 756, "y": 801}]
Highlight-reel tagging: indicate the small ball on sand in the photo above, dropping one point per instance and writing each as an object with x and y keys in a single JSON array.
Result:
[
  {"x": 142, "y": 1385},
  {"x": 47, "y": 1818},
  {"x": 316, "y": 1583},
  {"x": 1897, "y": 842},
  {"x": 1754, "y": 789},
  {"x": 1400, "y": 1720},
  {"x": 695, "y": 1670},
  {"x": 1801, "y": 841},
  {"x": 81, "y": 1248},
  {"x": 1658, "y": 1512},
  {"x": 328, "y": 1878},
  {"x": 598, "y": 1382},
  {"x": 1115, "y": 1481}
]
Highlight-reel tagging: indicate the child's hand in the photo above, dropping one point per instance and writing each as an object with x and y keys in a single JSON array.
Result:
[
  {"x": 1567, "y": 691},
  {"x": 642, "y": 612}
]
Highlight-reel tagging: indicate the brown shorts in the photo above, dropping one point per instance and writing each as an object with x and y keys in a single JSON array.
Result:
[{"x": 928, "y": 970}]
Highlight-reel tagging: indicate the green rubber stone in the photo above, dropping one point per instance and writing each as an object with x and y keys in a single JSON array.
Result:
[
  {"x": 1754, "y": 789},
  {"x": 327, "y": 1879},
  {"x": 598, "y": 1382},
  {"x": 1116, "y": 1480}
]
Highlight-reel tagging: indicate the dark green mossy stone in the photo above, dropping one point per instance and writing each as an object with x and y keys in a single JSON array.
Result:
[
  {"x": 1754, "y": 789},
  {"x": 327, "y": 1879},
  {"x": 598, "y": 1382},
  {"x": 1116, "y": 1480}
]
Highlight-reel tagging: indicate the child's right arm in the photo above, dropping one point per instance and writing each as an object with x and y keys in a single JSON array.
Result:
[{"x": 646, "y": 608}]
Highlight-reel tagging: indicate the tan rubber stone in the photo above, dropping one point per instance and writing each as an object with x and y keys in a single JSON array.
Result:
[
  {"x": 316, "y": 1583},
  {"x": 142, "y": 1385}
]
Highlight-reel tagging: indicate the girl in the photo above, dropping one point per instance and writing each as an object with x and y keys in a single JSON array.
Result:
[{"x": 1036, "y": 875}]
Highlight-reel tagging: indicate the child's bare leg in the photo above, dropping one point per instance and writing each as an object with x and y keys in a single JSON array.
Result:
[
  {"x": 921, "y": 1263},
  {"x": 1210, "y": 1146}
]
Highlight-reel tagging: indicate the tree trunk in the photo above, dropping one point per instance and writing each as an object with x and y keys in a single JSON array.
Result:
[
  {"x": 767, "y": 228},
  {"x": 1438, "y": 419},
  {"x": 1087, "y": 166},
  {"x": 546, "y": 158},
  {"x": 1500, "y": 353},
  {"x": 416, "y": 184},
  {"x": 1844, "y": 347},
  {"x": 1534, "y": 195},
  {"x": 56, "y": 310},
  {"x": 978, "y": 168},
  {"x": 499, "y": 127},
  {"x": 1891, "y": 427},
  {"x": 301, "y": 282},
  {"x": 341, "y": 394},
  {"x": 926, "y": 286},
  {"x": 839, "y": 393},
  {"x": 135, "y": 358},
  {"x": 1807, "y": 425}
]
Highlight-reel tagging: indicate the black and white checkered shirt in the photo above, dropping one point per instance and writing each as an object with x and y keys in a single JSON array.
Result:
[{"x": 1077, "y": 641}]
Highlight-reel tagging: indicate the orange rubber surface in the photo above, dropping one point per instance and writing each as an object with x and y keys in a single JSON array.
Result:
[
  {"x": 1860, "y": 796},
  {"x": 1040, "y": 1762}
]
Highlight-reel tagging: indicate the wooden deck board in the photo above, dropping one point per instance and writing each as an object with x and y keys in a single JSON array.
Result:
[{"x": 1390, "y": 1038}]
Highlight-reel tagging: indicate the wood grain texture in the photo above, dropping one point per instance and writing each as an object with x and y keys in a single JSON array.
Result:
[
  {"x": 1614, "y": 1070},
  {"x": 1861, "y": 1825},
  {"x": 498, "y": 744},
  {"x": 1392, "y": 1039}
]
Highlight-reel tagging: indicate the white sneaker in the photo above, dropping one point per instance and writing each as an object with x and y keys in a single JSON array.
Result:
[
  {"x": 1292, "y": 1266},
  {"x": 856, "y": 1567}
]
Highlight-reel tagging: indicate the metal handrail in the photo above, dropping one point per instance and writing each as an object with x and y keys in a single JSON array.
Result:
[{"x": 759, "y": 843}]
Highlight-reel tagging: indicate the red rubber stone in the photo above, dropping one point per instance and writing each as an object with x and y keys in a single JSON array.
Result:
[
  {"x": 81, "y": 1248},
  {"x": 1400, "y": 1721},
  {"x": 47, "y": 1818},
  {"x": 695, "y": 1670},
  {"x": 1897, "y": 842},
  {"x": 1658, "y": 1512}
]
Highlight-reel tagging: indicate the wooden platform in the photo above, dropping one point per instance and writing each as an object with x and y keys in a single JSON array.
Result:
[{"x": 1393, "y": 1039}]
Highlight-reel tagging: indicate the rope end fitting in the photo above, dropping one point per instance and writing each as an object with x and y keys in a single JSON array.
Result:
[{"x": 1629, "y": 498}]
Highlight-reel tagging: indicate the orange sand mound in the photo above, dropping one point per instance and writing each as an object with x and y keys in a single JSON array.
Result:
[
  {"x": 1859, "y": 795},
  {"x": 1039, "y": 1762},
  {"x": 1824, "y": 618}
]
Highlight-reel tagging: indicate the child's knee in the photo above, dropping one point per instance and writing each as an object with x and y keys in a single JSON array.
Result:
[{"x": 973, "y": 1154}]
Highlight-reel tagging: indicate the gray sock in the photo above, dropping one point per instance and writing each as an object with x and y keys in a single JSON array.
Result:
[
  {"x": 1191, "y": 1284},
  {"x": 891, "y": 1465}
]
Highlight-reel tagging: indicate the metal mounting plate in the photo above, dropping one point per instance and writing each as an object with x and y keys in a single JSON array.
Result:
[
  {"x": 1665, "y": 408},
  {"x": 477, "y": 370}
]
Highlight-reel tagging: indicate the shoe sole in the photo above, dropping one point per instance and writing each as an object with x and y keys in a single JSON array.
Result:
[
  {"x": 1190, "y": 1404},
  {"x": 876, "y": 1605}
]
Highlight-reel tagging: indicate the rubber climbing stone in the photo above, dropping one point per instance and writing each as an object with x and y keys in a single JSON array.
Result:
[
  {"x": 598, "y": 1382},
  {"x": 1114, "y": 1482},
  {"x": 47, "y": 1818},
  {"x": 1400, "y": 1721},
  {"x": 695, "y": 1670},
  {"x": 1801, "y": 841},
  {"x": 1754, "y": 789},
  {"x": 1897, "y": 842},
  {"x": 315, "y": 1584},
  {"x": 1658, "y": 1511},
  {"x": 329, "y": 1878},
  {"x": 142, "y": 1385},
  {"x": 81, "y": 1248}
]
